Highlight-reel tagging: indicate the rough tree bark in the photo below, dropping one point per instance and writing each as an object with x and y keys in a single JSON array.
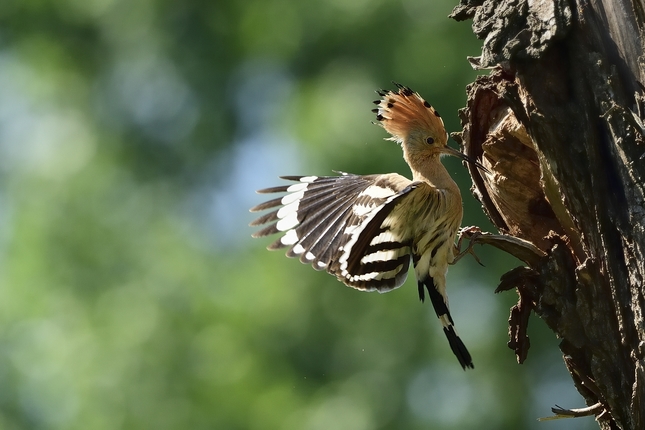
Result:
[{"x": 558, "y": 122}]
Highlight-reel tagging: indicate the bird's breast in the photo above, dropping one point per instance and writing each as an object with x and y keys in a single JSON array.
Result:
[{"x": 437, "y": 217}]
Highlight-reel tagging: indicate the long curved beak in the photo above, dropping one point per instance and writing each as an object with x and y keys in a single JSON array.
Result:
[{"x": 450, "y": 151}]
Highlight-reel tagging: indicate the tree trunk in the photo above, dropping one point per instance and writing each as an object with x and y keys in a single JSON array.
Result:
[{"x": 558, "y": 122}]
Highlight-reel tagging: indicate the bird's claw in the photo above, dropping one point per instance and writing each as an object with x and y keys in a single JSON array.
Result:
[{"x": 471, "y": 233}]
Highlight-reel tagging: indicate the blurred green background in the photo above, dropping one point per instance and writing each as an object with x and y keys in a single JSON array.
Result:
[{"x": 132, "y": 137}]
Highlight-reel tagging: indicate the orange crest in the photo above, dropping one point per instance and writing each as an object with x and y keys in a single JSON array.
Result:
[{"x": 404, "y": 112}]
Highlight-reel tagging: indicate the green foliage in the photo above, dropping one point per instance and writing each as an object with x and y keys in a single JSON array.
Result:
[{"x": 132, "y": 136}]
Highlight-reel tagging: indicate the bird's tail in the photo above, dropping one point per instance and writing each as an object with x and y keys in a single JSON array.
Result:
[{"x": 443, "y": 313}]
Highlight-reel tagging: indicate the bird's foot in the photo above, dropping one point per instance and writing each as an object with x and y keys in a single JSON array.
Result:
[{"x": 471, "y": 233}]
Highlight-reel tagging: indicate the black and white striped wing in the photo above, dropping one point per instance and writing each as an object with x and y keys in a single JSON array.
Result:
[{"x": 343, "y": 224}]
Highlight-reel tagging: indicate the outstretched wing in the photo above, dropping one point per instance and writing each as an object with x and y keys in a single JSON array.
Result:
[{"x": 343, "y": 224}]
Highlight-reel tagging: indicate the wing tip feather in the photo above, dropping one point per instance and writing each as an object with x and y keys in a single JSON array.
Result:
[
  {"x": 271, "y": 216},
  {"x": 278, "y": 189}
]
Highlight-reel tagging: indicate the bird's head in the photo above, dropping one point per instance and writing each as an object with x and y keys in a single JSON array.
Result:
[{"x": 414, "y": 124}]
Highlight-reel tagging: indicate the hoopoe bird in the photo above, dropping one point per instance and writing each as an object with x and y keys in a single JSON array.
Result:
[{"x": 366, "y": 229}]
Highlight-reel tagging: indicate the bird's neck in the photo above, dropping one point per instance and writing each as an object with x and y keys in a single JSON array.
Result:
[{"x": 434, "y": 173}]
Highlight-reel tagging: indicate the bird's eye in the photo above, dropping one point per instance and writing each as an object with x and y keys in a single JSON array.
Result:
[{"x": 430, "y": 140}]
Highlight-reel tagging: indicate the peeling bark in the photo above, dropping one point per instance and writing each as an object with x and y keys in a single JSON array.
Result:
[{"x": 558, "y": 122}]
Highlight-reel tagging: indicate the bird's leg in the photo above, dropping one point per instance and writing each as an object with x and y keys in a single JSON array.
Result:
[{"x": 471, "y": 233}]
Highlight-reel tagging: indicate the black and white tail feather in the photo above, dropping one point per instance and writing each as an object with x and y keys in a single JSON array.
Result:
[{"x": 365, "y": 230}]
